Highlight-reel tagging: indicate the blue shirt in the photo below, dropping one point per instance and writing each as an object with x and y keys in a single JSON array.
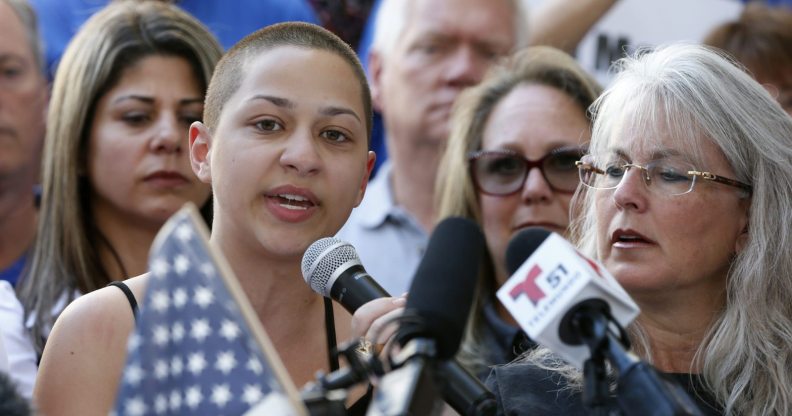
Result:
[
  {"x": 59, "y": 20},
  {"x": 388, "y": 239},
  {"x": 11, "y": 273}
]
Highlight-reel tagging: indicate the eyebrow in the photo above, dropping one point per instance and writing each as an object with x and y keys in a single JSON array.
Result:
[
  {"x": 150, "y": 100},
  {"x": 655, "y": 155},
  {"x": 288, "y": 104},
  {"x": 335, "y": 111},
  {"x": 278, "y": 101}
]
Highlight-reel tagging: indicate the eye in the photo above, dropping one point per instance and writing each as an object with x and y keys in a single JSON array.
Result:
[
  {"x": 334, "y": 136},
  {"x": 11, "y": 71},
  {"x": 136, "y": 118},
  {"x": 191, "y": 118},
  {"x": 268, "y": 125},
  {"x": 670, "y": 174},
  {"x": 504, "y": 165},
  {"x": 615, "y": 170},
  {"x": 563, "y": 161}
]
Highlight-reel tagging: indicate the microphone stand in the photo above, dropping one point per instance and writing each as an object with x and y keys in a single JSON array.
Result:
[
  {"x": 412, "y": 388},
  {"x": 640, "y": 389}
]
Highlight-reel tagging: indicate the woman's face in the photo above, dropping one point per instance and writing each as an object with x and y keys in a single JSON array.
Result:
[
  {"x": 657, "y": 244},
  {"x": 289, "y": 157},
  {"x": 138, "y": 162},
  {"x": 532, "y": 120}
]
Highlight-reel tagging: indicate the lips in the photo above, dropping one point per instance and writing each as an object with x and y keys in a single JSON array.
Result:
[
  {"x": 629, "y": 237},
  {"x": 291, "y": 203},
  {"x": 166, "y": 179},
  {"x": 561, "y": 229}
]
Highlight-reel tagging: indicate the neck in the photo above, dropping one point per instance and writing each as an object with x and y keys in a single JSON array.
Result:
[
  {"x": 273, "y": 285},
  {"x": 18, "y": 219},
  {"x": 676, "y": 331},
  {"x": 413, "y": 180},
  {"x": 130, "y": 241},
  {"x": 291, "y": 314}
]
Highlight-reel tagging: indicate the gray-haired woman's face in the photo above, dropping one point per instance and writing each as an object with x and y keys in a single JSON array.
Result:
[{"x": 661, "y": 246}]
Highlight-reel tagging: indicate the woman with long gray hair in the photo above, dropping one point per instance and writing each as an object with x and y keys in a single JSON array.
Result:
[{"x": 687, "y": 201}]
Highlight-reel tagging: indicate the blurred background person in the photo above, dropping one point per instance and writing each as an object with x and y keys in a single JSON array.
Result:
[
  {"x": 23, "y": 106},
  {"x": 510, "y": 164},
  {"x": 761, "y": 39},
  {"x": 285, "y": 147},
  {"x": 423, "y": 55},
  {"x": 688, "y": 191},
  {"x": 20, "y": 361},
  {"x": 115, "y": 158}
]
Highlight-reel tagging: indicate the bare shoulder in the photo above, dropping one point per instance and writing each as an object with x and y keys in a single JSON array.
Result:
[{"x": 85, "y": 353}]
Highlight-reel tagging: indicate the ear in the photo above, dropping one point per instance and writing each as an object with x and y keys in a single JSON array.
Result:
[
  {"x": 200, "y": 151},
  {"x": 372, "y": 157},
  {"x": 742, "y": 238},
  {"x": 375, "y": 64}
]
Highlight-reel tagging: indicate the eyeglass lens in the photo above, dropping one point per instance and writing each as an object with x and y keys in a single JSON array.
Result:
[
  {"x": 666, "y": 176},
  {"x": 504, "y": 173}
]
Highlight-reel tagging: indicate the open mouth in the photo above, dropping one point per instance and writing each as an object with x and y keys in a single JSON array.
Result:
[
  {"x": 629, "y": 237},
  {"x": 295, "y": 202}
]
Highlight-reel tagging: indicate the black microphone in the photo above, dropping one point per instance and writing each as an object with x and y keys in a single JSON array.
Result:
[
  {"x": 442, "y": 290},
  {"x": 332, "y": 268}
]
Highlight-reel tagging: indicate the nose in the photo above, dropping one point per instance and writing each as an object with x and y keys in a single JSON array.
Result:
[
  {"x": 536, "y": 189},
  {"x": 169, "y": 136},
  {"x": 466, "y": 67},
  {"x": 632, "y": 190},
  {"x": 300, "y": 154}
]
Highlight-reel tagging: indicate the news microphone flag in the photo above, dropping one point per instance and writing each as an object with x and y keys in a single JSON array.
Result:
[
  {"x": 554, "y": 279},
  {"x": 198, "y": 347}
]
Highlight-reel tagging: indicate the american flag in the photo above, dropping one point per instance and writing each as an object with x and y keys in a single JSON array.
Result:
[{"x": 198, "y": 347}]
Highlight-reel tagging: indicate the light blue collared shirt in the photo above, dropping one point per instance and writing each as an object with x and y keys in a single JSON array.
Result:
[{"x": 388, "y": 239}]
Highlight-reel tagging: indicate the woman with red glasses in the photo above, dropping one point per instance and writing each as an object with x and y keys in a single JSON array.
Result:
[{"x": 510, "y": 164}]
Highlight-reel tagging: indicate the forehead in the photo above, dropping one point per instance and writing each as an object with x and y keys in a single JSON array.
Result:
[
  {"x": 489, "y": 21},
  {"x": 304, "y": 75},
  {"x": 537, "y": 115},
  {"x": 13, "y": 37}
]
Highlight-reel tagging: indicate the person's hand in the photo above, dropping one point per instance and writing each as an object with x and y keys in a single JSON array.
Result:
[{"x": 374, "y": 321}]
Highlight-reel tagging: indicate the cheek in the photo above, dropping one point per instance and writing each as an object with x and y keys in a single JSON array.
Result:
[{"x": 497, "y": 216}]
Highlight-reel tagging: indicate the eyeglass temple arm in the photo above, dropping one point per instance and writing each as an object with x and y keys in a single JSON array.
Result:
[
  {"x": 720, "y": 179},
  {"x": 588, "y": 166}
]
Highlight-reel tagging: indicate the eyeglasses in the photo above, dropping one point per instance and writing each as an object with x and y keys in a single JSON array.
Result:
[
  {"x": 665, "y": 176},
  {"x": 503, "y": 172}
]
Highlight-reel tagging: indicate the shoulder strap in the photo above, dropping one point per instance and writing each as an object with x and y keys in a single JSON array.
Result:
[{"x": 129, "y": 295}]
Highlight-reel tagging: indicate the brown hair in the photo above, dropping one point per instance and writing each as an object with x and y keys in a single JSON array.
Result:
[
  {"x": 230, "y": 70},
  {"x": 761, "y": 39},
  {"x": 65, "y": 258}
]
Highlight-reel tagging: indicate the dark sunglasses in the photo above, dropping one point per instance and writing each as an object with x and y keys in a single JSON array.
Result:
[{"x": 503, "y": 172}]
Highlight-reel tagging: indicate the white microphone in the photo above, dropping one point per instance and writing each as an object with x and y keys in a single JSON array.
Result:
[{"x": 553, "y": 281}]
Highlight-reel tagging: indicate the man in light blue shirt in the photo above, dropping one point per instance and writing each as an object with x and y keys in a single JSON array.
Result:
[{"x": 424, "y": 53}]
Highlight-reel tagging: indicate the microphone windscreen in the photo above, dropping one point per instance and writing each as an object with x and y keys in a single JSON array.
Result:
[
  {"x": 523, "y": 245},
  {"x": 322, "y": 259},
  {"x": 442, "y": 290}
]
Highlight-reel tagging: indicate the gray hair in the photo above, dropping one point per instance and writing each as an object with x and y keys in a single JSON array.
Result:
[
  {"x": 27, "y": 16},
  {"x": 690, "y": 91},
  {"x": 392, "y": 19}
]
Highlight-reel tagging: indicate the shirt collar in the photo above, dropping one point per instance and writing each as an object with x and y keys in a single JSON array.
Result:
[
  {"x": 511, "y": 337},
  {"x": 378, "y": 204}
]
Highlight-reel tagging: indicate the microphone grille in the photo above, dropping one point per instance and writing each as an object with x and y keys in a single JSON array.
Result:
[{"x": 322, "y": 259}]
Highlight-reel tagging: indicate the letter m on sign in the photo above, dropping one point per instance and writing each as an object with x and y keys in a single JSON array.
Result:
[{"x": 528, "y": 287}]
